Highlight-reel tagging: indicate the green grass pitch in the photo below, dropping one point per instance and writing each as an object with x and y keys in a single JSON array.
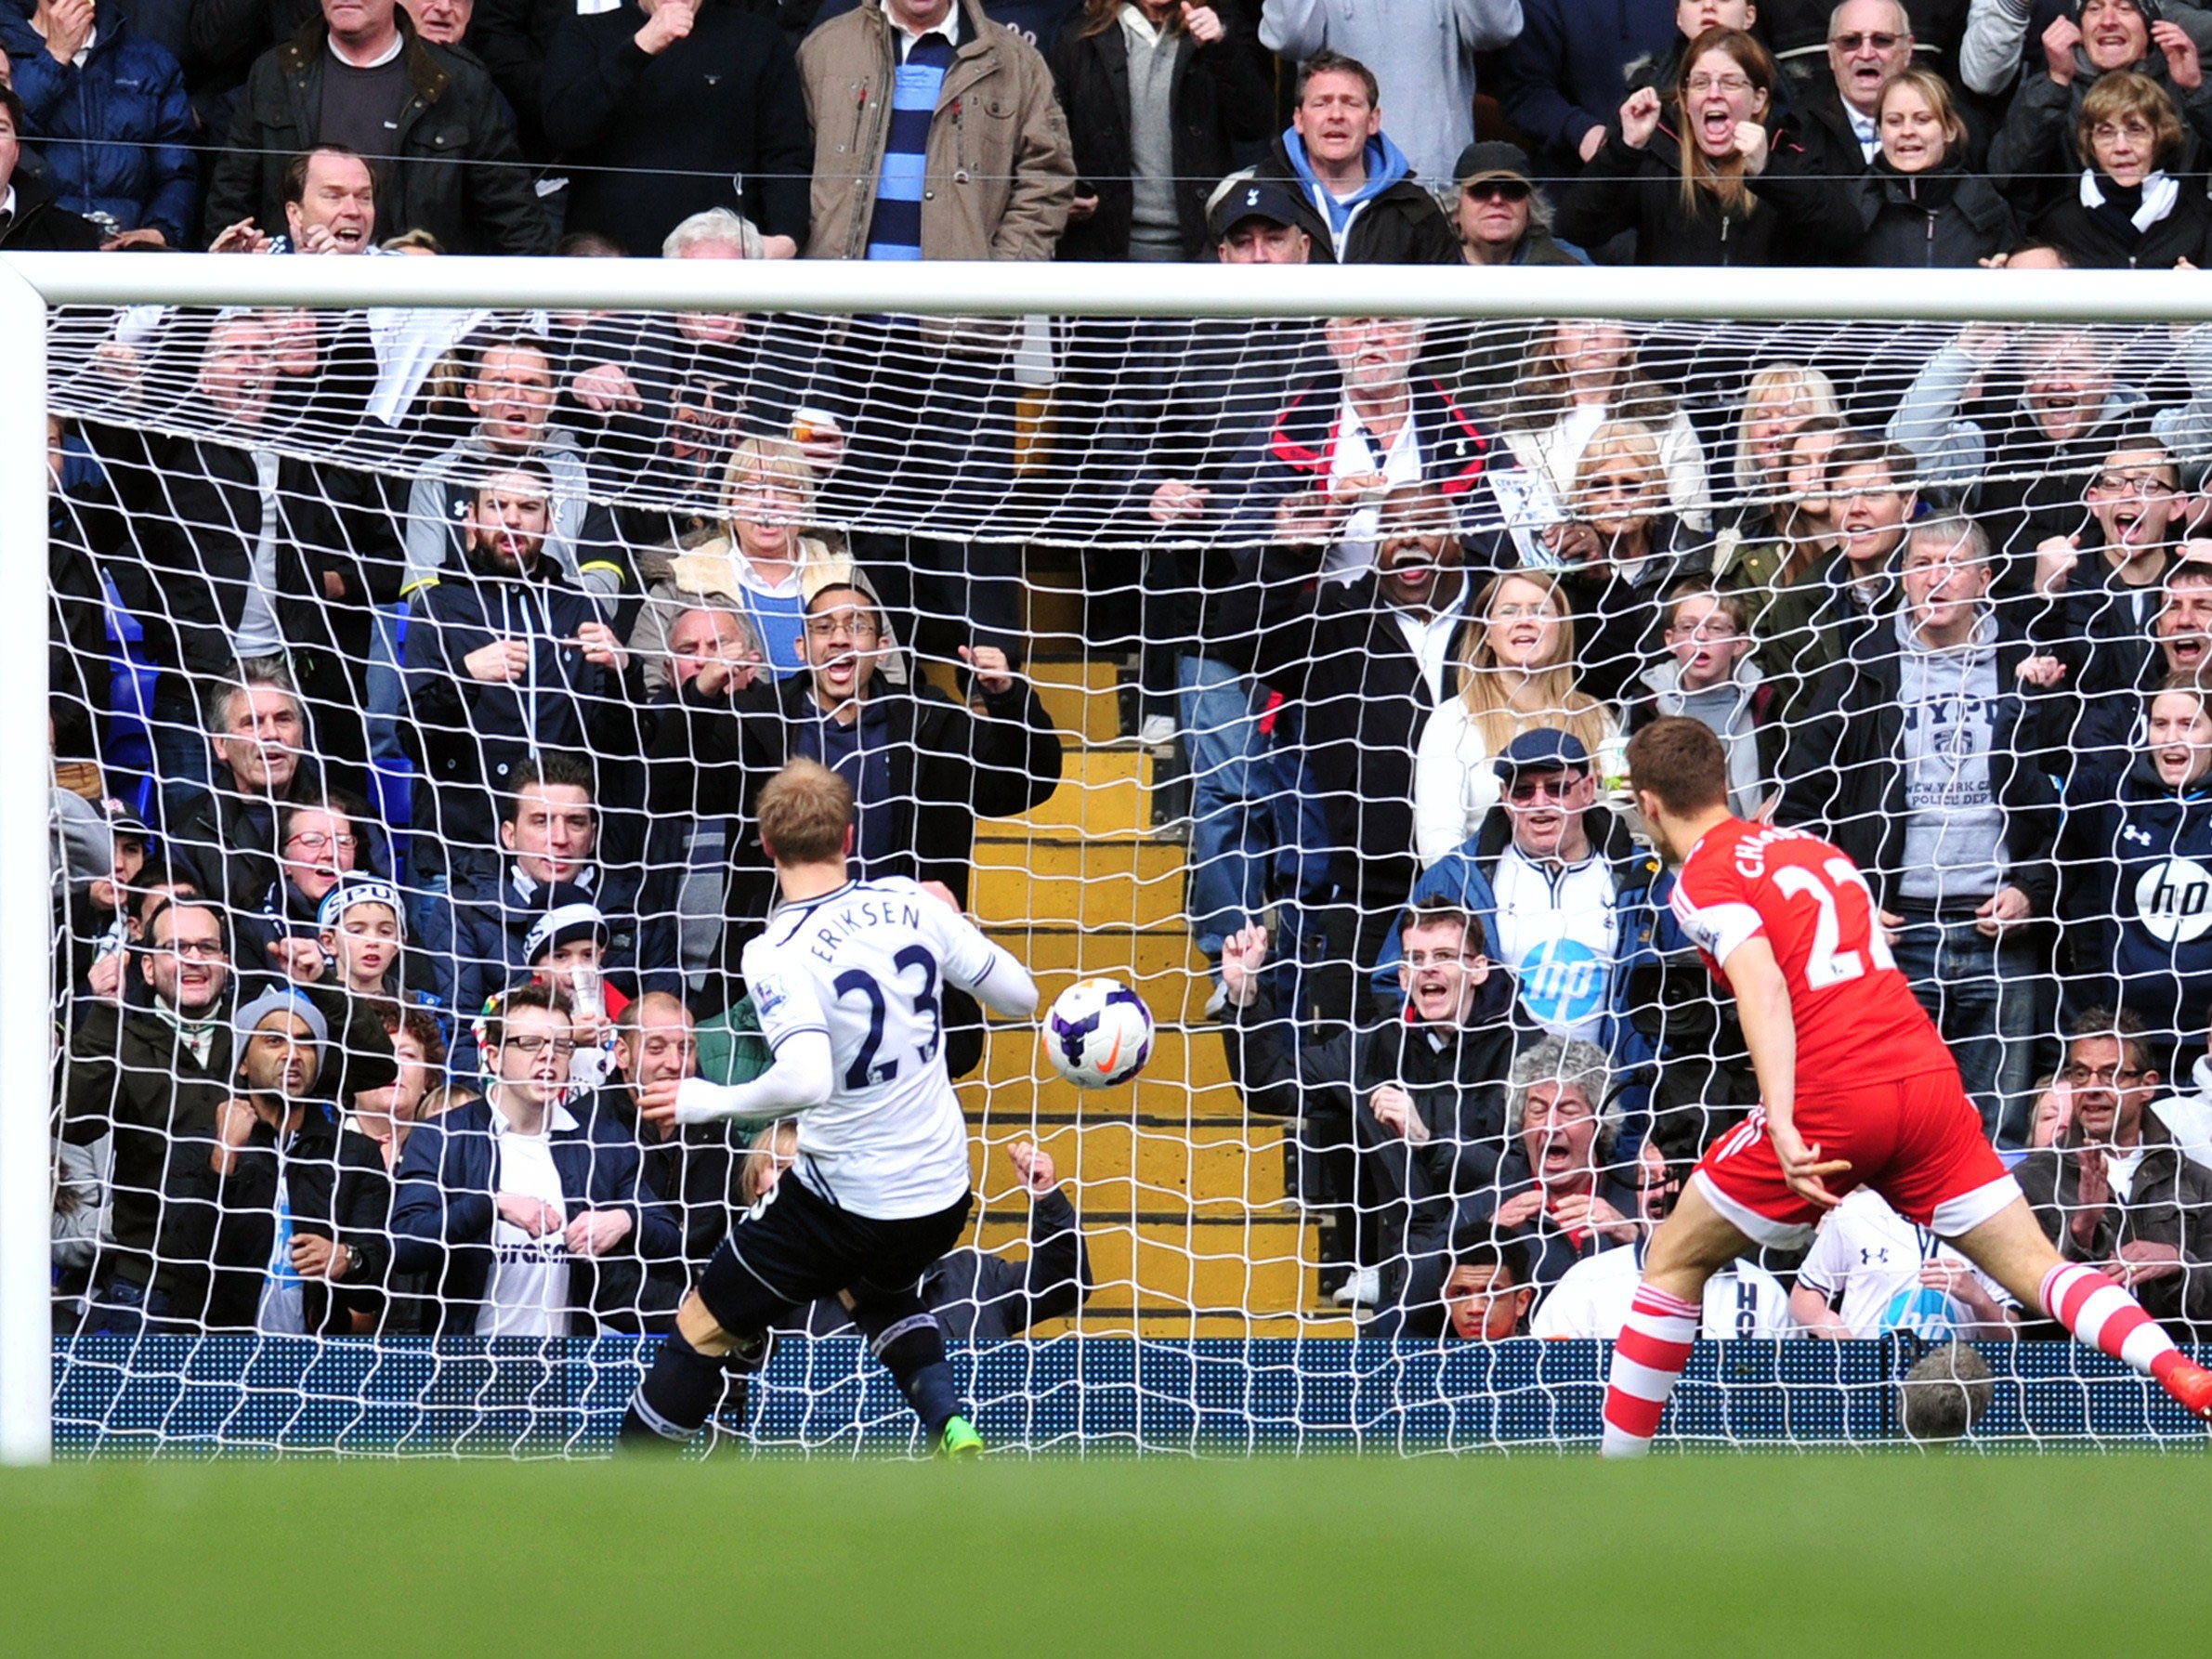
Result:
[{"x": 1781, "y": 1556}]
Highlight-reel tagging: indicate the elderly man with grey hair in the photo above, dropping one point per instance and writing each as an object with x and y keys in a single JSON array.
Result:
[
  {"x": 665, "y": 398},
  {"x": 1560, "y": 1193}
]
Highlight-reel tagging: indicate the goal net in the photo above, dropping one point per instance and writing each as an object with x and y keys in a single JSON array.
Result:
[{"x": 1278, "y": 667}]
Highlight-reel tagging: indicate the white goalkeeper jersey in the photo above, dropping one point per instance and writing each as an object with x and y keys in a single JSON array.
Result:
[
  {"x": 867, "y": 965},
  {"x": 1592, "y": 1298}
]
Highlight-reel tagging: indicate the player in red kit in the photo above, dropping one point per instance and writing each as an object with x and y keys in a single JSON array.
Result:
[{"x": 1856, "y": 1089}]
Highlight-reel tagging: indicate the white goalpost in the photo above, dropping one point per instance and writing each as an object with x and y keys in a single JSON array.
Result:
[{"x": 31, "y": 285}]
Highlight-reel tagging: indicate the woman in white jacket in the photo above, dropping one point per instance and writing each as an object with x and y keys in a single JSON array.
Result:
[
  {"x": 1583, "y": 376},
  {"x": 1516, "y": 671}
]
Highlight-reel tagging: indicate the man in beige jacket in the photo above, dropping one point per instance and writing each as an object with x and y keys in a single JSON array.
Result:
[
  {"x": 937, "y": 136},
  {"x": 982, "y": 170}
]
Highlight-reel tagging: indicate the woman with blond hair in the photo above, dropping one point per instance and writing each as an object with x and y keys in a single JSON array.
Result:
[
  {"x": 1516, "y": 672},
  {"x": 1778, "y": 402},
  {"x": 765, "y": 565},
  {"x": 1620, "y": 548},
  {"x": 1582, "y": 376},
  {"x": 1921, "y": 205}
]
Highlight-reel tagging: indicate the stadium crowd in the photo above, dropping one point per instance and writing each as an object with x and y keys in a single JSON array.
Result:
[{"x": 415, "y": 672}]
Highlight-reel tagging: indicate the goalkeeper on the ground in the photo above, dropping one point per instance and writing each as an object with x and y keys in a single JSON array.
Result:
[{"x": 847, "y": 980}]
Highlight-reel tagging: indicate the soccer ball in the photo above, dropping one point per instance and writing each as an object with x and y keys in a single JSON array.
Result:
[{"x": 1098, "y": 1034}]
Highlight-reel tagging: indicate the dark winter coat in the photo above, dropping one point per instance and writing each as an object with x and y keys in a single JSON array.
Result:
[
  {"x": 1800, "y": 218},
  {"x": 468, "y": 736},
  {"x": 2169, "y": 1202},
  {"x": 455, "y": 171},
  {"x": 2092, "y": 242},
  {"x": 1942, "y": 220},
  {"x": 1221, "y": 95},
  {"x": 334, "y": 1185},
  {"x": 130, "y": 1073},
  {"x": 1845, "y": 774},
  {"x": 1401, "y": 226},
  {"x": 716, "y": 120},
  {"x": 43, "y": 225}
]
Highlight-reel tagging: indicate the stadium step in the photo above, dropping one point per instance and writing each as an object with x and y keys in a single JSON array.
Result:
[
  {"x": 1070, "y": 880},
  {"x": 1180, "y": 1194},
  {"x": 1083, "y": 696}
]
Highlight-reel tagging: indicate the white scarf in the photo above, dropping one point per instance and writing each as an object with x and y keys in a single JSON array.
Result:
[{"x": 2160, "y": 193}]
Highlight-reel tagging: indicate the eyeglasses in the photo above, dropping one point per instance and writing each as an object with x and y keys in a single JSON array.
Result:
[
  {"x": 1417, "y": 959},
  {"x": 532, "y": 1047},
  {"x": 1499, "y": 189},
  {"x": 1522, "y": 613},
  {"x": 2111, "y": 1076},
  {"x": 1705, "y": 628},
  {"x": 826, "y": 627},
  {"x": 315, "y": 840},
  {"x": 1557, "y": 787},
  {"x": 1698, "y": 85},
  {"x": 202, "y": 950},
  {"x": 2138, "y": 484},
  {"x": 1851, "y": 43}
]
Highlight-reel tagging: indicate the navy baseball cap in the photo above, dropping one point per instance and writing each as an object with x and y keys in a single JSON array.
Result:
[
  {"x": 1543, "y": 750},
  {"x": 1253, "y": 199}
]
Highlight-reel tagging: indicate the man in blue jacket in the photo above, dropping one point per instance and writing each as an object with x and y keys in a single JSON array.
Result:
[
  {"x": 109, "y": 106},
  {"x": 530, "y": 1221}
]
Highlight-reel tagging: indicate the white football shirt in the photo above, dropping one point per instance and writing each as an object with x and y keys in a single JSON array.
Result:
[
  {"x": 1873, "y": 1255},
  {"x": 867, "y": 965},
  {"x": 1593, "y": 1298}
]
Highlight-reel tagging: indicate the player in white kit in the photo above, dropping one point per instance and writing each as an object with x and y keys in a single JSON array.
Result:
[{"x": 848, "y": 981}]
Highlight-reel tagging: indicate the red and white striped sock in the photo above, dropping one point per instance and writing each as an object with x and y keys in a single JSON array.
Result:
[
  {"x": 1647, "y": 1360},
  {"x": 2106, "y": 1317}
]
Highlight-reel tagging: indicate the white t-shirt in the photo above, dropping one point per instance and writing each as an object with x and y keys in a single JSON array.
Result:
[
  {"x": 867, "y": 965},
  {"x": 1559, "y": 934},
  {"x": 1593, "y": 1297},
  {"x": 1874, "y": 1255},
  {"x": 528, "y": 1293}
]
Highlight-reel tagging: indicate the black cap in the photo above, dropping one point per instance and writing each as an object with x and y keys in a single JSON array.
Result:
[
  {"x": 1543, "y": 750},
  {"x": 124, "y": 824},
  {"x": 1253, "y": 199},
  {"x": 1491, "y": 158}
]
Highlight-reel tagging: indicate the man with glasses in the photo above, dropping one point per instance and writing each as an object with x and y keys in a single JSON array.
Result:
[
  {"x": 1839, "y": 120},
  {"x": 1568, "y": 898},
  {"x": 529, "y": 1221},
  {"x": 2117, "y": 1191},
  {"x": 1421, "y": 1097},
  {"x": 2105, "y": 584},
  {"x": 1920, "y": 762},
  {"x": 152, "y": 1073},
  {"x": 921, "y": 768}
]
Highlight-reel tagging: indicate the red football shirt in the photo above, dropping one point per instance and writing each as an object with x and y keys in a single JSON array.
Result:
[{"x": 1855, "y": 1016}]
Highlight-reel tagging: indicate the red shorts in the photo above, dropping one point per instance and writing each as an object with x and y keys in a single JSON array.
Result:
[{"x": 1917, "y": 1141}]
